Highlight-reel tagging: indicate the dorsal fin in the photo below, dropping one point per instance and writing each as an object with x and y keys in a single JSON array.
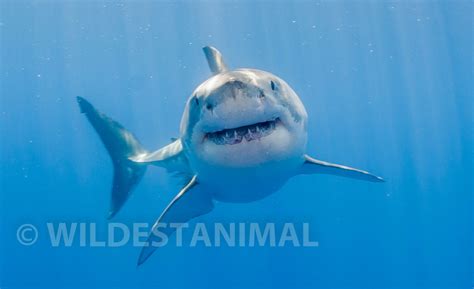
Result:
[{"x": 214, "y": 59}]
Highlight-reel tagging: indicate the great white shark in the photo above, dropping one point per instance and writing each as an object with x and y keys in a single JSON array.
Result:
[{"x": 243, "y": 134}]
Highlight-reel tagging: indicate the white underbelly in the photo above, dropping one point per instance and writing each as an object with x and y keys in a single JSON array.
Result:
[{"x": 245, "y": 185}]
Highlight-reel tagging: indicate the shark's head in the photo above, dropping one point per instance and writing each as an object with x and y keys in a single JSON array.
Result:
[{"x": 243, "y": 118}]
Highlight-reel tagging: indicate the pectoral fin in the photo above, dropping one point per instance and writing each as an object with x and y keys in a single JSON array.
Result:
[
  {"x": 314, "y": 166},
  {"x": 187, "y": 205}
]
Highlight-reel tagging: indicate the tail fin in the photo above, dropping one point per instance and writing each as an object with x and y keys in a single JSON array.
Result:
[{"x": 121, "y": 145}]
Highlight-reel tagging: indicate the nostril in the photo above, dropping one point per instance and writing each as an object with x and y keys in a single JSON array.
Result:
[{"x": 262, "y": 94}]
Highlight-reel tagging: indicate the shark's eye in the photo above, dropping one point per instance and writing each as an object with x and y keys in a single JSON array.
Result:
[
  {"x": 262, "y": 94},
  {"x": 273, "y": 85},
  {"x": 209, "y": 106}
]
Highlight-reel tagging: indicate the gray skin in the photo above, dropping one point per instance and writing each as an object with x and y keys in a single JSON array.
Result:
[
  {"x": 243, "y": 134},
  {"x": 235, "y": 101}
]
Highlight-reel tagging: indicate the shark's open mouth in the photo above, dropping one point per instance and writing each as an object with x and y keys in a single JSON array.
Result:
[{"x": 249, "y": 133}]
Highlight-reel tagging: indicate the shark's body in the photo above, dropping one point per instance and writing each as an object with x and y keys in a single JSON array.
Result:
[{"x": 243, "y": 135}]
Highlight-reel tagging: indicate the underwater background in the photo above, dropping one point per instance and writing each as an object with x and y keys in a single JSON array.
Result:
[{"x": 387, "y": 86}]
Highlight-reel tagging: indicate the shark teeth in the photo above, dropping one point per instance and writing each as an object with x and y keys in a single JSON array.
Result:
[{"x": 237, "y": 135}]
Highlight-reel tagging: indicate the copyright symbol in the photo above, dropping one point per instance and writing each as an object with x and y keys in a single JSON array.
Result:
[{"x": 27, "y": 234}]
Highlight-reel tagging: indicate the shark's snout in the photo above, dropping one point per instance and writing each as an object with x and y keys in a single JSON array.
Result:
[
  {"x": 235, "y": 88},
  {"x": 236, "y": 84}
]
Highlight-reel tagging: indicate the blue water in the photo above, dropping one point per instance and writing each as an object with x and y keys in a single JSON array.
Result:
[{"x": 387, "y": 86}]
